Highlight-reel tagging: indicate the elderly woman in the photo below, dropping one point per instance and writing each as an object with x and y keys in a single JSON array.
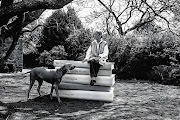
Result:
[{"x": 96, "y": 55}]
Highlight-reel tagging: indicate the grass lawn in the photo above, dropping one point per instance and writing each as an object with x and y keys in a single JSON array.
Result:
[{"x": 133, "y": 100}]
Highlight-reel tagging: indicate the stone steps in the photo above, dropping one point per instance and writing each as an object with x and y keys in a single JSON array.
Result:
[{"x": 75, "y": 83}]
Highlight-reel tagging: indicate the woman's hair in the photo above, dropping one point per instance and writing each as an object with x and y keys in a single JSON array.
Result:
[{"x": 99, "y": 33}]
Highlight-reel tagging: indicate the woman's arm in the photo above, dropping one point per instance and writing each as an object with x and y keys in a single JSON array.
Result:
[{"x": 88, "y": 53}]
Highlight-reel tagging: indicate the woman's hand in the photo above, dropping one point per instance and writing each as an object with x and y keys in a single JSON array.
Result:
[
  {"x": 92, "y": 58},
  {"x": 95, "y": 58},
  {"x": 85, "y": 60}
]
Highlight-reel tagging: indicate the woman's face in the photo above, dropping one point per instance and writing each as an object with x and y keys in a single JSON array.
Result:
[{"x": 97, "y": 36}]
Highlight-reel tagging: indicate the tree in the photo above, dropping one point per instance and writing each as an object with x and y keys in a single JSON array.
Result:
[
  {"x": 55, "y": 31},
  {"x": 65, "y": 28},
  {"x": 57, "y": 28},
  {"x": 129, "y": 15},
  {"x": 13, "y": 14},
  {"x": 77, "y": 44}
]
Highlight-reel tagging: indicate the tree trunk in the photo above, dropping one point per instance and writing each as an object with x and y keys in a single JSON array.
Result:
[{"x": 16, "y": 36}]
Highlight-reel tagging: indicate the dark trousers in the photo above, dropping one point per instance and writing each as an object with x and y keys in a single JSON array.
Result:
[{"x": 94, "y": 67}]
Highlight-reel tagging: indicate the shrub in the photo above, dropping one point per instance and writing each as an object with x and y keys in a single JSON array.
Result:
[
  {"x": 137, "y": 55},
  {"x": 77, "y": 43},
  {"x": 30, "y": 60},
  {"x": 116, "y": 46},
  {"x": 56, "y": 30},
  {"x": 166, "y": 74},
  {"x": 46, "y": 58},
  {"x": 58, "y": 27}
]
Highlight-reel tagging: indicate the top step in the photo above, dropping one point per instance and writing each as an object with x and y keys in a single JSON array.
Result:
[{"x": 79, "y": 64}]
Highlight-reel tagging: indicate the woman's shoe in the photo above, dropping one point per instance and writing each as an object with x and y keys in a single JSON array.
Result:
[{"x": 92, "y": 82}]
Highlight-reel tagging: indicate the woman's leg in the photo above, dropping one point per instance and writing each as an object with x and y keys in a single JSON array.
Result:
[{"x": 94, "y": 69}]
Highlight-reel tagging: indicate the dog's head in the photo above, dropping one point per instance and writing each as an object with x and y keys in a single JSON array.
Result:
[
  {"x": 69, "y": 66},
  {"x": 65, "y": 68}
]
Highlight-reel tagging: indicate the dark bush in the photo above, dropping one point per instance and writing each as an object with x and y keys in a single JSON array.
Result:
[
  {"x": 30, "y": 60},
  {"x": 137, "y": 59},
  {"x": 54, "y": 32},
  {"x": 46, "y": 58},
  {"x": 166, "y": 74},
  {"x": 57, "y": 29},
  {"x": 77, "y": 43}
]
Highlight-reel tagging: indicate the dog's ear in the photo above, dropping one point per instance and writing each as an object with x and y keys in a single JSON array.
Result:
[
  {"x": 62, "y": 68},
  {"x": 155, "y": 67},
  {"x": 68, "y": 66}
]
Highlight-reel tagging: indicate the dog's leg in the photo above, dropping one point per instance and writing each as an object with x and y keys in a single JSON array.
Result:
[
  {"x": 39, "y": 86},
  {"x": 52, "y": 88},
  {"x": 56, "y": 85},
  {"x": 32, "y": 80}
]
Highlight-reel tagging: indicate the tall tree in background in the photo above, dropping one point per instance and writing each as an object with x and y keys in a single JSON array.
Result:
[
  {"x": 65, "y": 29},
  {"x": 57, "y": 28},
  {"x": 54, "y": 32}
]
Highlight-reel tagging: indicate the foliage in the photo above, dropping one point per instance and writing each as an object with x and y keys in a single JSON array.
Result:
[
  {"x": 30, "y": 51},
  {"x": 74, "y": 22},
  {"x": 46, "y": 58},
  {"x": 141, "y": 53},
  {"x": 116, "y": 46},
  {"x": 77, "y": 44},
  {"x": 166, "y": 74},
  {"x": 54, "y": 32},
  {"x": 57, "y": 28},
  {"x": 30, "y": 41},
  {"x": 29, "y": 60},
  {"x": 74, "y": 48}
]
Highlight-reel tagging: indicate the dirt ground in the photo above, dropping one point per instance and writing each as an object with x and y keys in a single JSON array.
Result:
[{"x": 133, "y": 100}]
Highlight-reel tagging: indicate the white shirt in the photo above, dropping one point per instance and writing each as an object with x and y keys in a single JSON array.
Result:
[{"x": 104, "y": 54}]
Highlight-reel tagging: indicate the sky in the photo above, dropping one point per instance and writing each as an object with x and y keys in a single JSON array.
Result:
[{"x": 84, "y": 10}]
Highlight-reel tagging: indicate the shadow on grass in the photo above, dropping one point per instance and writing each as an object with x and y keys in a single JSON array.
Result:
[{"x": 44, "y": 107}]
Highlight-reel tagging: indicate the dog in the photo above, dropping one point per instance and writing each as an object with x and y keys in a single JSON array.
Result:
[{"x": 51, "y": 76}]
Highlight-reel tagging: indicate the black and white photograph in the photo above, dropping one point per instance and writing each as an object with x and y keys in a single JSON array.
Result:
[{"x": 89, "y": 60}]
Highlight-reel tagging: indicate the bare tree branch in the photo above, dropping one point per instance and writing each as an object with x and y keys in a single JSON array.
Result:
[
  {"x": 24, "y": 30},
  {"x": 127, "y": 6},
  {"x": 137, "y": 26},
  {"x": 130, "y": 15},
  {"x": 107, "y": 24},
  {"x": 116, "y": 18},
  {"x": 158, "y": 14}
]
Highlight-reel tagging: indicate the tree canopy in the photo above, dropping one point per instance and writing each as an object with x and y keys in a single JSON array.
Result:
[
  {"x": 124, "y": 16},
  {"x": 57, "y": 28}
]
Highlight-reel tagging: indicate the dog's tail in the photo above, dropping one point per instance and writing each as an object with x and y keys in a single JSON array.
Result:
[
  {"x": 24, "y": 73},
  {"x": 27, "y": 72},
  {"x": 21, "y": 74}
]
